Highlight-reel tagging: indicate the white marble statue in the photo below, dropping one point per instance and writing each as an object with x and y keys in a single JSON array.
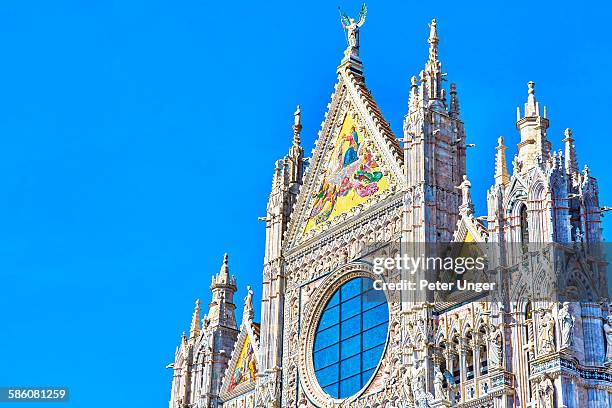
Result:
[
  {"x": 422, "y": 398},
  {"x": 465, "y": 187},
  {"x": 566, "y": 321},
  {"x": 546, "y": 333},
  {"x": 407, "y": 385},
  {"x": 352, "y": 27},
  {"x": 438, "y": 383},
  {"x": 546, "y": 394},
  {"x": 608, "y": 334},
  {"x": 248, "y": 312},
  {"x": 495, "y": 346}
]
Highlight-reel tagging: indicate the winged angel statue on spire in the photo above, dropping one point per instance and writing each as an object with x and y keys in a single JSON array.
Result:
[{"x": 352, "y": 27}]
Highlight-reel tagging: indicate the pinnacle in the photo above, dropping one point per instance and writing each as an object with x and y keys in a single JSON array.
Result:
[{"x": 433, "y": 32}]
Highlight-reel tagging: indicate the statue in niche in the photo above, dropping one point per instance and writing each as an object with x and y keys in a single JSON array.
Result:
[
  {"x": 566, "y": 321},
  {"x": 407, "y": 385},
  {"x": 422, "y": 398},
  {"x": 546, "y": 394},
  {"x": 608, "y": 335},
  {"x": 495, "y": 346},
  {"x": 438, "y": 383},
  {"x": 546, "y": 333},
  {"x": 418, "y": 378}
]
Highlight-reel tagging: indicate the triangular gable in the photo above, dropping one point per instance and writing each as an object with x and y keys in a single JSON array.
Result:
[
  {"x": 241, "y": 373},
  {"x": 517, "y": 184},
  {"x": 469, "y": 230},
  {"x": 357, "y": 162},
  {"x": 468, "y": 242}
]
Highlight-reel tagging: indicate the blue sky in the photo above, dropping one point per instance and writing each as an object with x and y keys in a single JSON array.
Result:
[{"x": 137, "y": 142}]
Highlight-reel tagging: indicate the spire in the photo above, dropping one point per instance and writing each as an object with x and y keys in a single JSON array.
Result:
[
  {"x": 297, "y": 126},
  {"x": 224, "y": 272},
  {"x": 423, "y": 93},
  {"x": 221, "y": 308},
  {"x": 194, "y": 331},
  {"x": 433, "y": 41},
  {"x": 571, "y": 162},
  {"x": 277, "y": 178},
  {"x": 454, "y": 101},
  {"x": 433, "y": 67},
  {"x": 532, "y": 107},
  {"x": 534, "y": 148},
  {"x": 295, "y": 158},
  {"x": 501, "y": 170},
  {"x": 413, "y": 98},
  {"x": 223, "y": 277},
  {"x": 248, "y": 314}
]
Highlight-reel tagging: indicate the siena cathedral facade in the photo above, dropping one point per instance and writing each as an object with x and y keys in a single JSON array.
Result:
[{"x": 330, "y": 337}]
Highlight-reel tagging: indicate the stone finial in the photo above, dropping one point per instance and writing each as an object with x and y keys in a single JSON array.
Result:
[
  {"x": 532, "y": 107},
  {"x": 433, "y": 40},
  {"x": 296, "y": 115},
  {"x": 194, "y": 330},
  {"x": 223, "y": 277},
  {"x": 433, "y": 75},
  {"x": 586, "y": 174},
  {"x": 224, "y": 272},
  {"x": 297, "y": 125},
  {"x": 454, "y": 101},
  {"x": 295, "y": 159},
  {"x": 297, "y": 130},
  {"x": 571, "y": 161},
  {"x": 248, "y": 313},
  {"x": 277, "y": 179},
  {"x": 501, "y": 169},
  {"x": 531, "y": 86},
  {"x": 534, "y": 148},
  {"x": 413, "y": 97}
]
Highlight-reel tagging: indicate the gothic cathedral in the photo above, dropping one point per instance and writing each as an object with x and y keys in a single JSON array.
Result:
[{"x": 328, "y": 338}]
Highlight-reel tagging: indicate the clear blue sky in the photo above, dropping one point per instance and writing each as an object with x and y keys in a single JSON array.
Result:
[{"x": 137, "y": 142}]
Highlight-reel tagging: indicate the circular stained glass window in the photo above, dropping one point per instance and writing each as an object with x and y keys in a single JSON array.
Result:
[{"x": 351, "y": 337}]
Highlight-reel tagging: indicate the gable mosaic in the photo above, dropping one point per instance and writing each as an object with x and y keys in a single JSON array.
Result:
[
  {"x": 246, "y": 368},
  {"x": 351, "y": 177}
]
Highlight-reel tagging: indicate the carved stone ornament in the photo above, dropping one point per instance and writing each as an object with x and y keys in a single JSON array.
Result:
[
  {"x": 495, "y": 346},
  {"x": 566, "y": 323},
  {"x": 608, "y": 335},
  {"x": 546, "y": 333},
  {"x": 546, "y": 394}
]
